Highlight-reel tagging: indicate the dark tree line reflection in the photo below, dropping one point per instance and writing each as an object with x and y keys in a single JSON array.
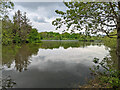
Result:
[
  {"x": 18, "y": 54},
  {"x": 21, "y": 54},
  {"x": 66, "y": 44}
]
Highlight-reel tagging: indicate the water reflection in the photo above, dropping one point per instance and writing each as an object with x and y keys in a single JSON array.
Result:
[
  {"x": 22, "y": 58},
  {"x": 51, "y": 63},
  {"x": 18, "y": 54},
  {"x": 21, "y": 54},
  {"x": 7, "y": 83},
  {"x": 66, "y": 44}
]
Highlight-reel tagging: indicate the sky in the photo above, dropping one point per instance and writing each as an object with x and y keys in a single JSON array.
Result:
[{"x": 41, "y": 14}]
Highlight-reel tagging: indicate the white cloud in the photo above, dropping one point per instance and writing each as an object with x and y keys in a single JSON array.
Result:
[{"x": 40, "y": 16}]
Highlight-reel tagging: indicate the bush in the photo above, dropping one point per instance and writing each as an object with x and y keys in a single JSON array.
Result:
[{"x": 105, "y": 73}]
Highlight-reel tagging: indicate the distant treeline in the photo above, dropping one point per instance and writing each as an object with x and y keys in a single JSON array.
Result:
[{"x": 67, "y": 36}]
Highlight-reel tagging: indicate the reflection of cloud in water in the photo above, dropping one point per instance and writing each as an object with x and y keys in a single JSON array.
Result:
[
  {"x": 54, "y": 75},
  {"x": 77, "y": 55},
  {"x": 57, "y": 68}
]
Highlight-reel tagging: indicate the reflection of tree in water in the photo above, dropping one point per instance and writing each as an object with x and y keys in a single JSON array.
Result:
[
  {"x": 19, "y": 54},
  {"x": 22, "y": 58},
  {"x": 8, "y": 54},
  {"x": 8, "y": 83},
  {"x": 66, "y": 44}
]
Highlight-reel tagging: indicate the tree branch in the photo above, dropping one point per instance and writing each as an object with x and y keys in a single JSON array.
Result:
[
  {"x": 107, "y": 33},
  {"x": 113, "y": 35},
  {"x": 113, "y": 9},
  {"x": 108, "y": 25},
  {"x": 119, "y": 5},
  {"x": 98, "y": 16},
  {"x": 103, "y": 23},
  {"x": 110, "y": 36}
]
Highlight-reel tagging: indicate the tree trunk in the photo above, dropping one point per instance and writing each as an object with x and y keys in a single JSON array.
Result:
[
  {"x": 118, "y": 38},
  {"x": 118, "y": 47}
]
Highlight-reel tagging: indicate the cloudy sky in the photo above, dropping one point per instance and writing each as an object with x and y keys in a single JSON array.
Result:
[{"x": 41, "y": 14}]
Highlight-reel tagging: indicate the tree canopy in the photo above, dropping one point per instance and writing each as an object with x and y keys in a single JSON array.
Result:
[
  {"x": 19, "y": 30},
  {"x": 92, "y": 17}
]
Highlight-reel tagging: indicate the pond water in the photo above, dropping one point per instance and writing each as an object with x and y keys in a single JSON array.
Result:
[{"x": 50, "y": 64}]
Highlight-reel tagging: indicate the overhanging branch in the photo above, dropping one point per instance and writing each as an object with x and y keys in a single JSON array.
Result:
[
  {"x": 113, "y": 9},
  {"x": 108, "y": 25}
]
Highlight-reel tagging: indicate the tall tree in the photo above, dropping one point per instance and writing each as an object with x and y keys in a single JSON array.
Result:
[
  {"x": 25, "y": 28},
  {"x": 5, "y": 6},
  {"x": 7, "y": 34},
  {"x": 17, "y": 22},
  {"x": 94, "y": 17},
  {"x": 22, "y": 26}
]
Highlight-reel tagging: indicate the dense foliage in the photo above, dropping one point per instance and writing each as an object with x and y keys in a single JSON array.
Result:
[
  {"x": 67, "y": 36},
  {"x": 33, "y": 36},
  {"x": 19, "y": 30},
  {"x": 106, "y": 73}
]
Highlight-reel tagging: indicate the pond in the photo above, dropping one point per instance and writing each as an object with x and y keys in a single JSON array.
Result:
[{"x": 50, "y": 64}]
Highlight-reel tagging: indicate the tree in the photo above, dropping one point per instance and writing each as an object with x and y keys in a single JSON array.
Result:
[
  {"x": 22, "y": 26},
  {"x": 17, "y": 21},
  {"x": 33, "y": 37},
  {"x": 5, "y": 23},
  {"x": 5, "y": 5},
  {"x": 25, "y": 27},
  {"x": 7, "y": 34},
  {"x": 94, "y": 17}
]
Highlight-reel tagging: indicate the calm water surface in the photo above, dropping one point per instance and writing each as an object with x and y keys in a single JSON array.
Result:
[{"x": 51, "y": 64}]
